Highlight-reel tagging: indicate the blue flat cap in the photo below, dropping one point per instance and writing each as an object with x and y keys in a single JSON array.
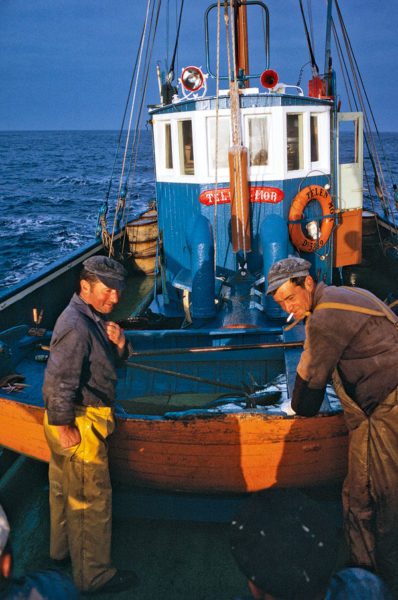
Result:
[
  {"x": 286, "y": 269},
  {"x": 109, "y": 271},
  {"x": 357, "y": 583}
]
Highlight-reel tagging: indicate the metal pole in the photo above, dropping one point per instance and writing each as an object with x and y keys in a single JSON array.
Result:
[{"x": 172, "y": 351}]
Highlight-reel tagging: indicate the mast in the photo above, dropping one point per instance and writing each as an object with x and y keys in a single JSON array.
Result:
[
  {"x": 238, "y": 154},
  {"x": 242, "y": 49},
  {"x": 327, "y": 37}
]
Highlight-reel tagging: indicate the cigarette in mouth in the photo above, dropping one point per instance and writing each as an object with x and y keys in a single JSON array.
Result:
[{"x": 290, "y": 317}]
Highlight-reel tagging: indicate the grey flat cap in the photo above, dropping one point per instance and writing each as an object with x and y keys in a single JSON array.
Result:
[
  {"x": 4, "y": 530},
  {"x": 109, "y": 271},
  {"x": 285, "y": 269}
]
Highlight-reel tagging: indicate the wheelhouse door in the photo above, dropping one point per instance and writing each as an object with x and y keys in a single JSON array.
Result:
[
  {"x": 350, "y": 160},
  {"x": 348, "y": 234}
]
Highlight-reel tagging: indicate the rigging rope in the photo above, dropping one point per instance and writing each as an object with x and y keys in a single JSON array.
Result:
[
  {"x": 144, "y": 86},
  {"x": 311, "y": 26},
  {"x": 348, "y": 84},
  {"x": 171, "y": 70},
  {"x": 372, "y": 115},
  {"x": 381, "y": 189},
  {"x": 120, "y": 212},
  {"x": 167, "y": 31},
  {"x": 102, "y": 222},
  {"x": 217, "y": 131},
  {"x": 119, "y": 200},
  {"x": 315, "y": 70}
]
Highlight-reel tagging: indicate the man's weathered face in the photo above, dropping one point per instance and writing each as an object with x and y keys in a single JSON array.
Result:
[
  {"x": 102, "y": 298},
  {"x": 294, "y": 298}
]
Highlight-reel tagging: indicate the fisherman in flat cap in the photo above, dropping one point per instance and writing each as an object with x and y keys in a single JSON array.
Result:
[
  {"x": 288, "y": 547},
  {"x": 352, "y": 337},
  {"x": 79, "y": 392},
  {"x": 39, "y": 585}
]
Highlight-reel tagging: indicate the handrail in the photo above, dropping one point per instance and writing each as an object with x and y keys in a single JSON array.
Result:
[{"x": 248, "y": 76}]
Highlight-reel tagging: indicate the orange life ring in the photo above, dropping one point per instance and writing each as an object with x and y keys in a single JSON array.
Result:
[{"x": 311, "y": 192}]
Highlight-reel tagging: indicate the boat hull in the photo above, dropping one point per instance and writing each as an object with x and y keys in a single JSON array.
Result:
[{"x": 209, "y": 453}]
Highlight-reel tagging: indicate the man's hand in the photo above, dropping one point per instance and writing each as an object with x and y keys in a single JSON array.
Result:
[
  {"x": 115, "y": 334},
  {"x": 69, "y": 435}
]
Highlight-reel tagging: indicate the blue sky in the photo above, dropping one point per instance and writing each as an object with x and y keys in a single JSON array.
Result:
[{"x": 67, "y": 64}]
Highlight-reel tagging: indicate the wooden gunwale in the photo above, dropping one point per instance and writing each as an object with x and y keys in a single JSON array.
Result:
[{"x": 204, "y": 452}]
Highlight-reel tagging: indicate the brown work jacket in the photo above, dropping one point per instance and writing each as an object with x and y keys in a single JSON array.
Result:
[{"x": 362, "y": 347}]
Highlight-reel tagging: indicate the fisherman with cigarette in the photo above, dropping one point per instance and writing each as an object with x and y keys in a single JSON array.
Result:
[{"x": 352, "y": 337}]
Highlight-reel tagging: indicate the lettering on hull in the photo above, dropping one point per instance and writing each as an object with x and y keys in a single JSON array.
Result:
[{"x": 270, "y": 195}]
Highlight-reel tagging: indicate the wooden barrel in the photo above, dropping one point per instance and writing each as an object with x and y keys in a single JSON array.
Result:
[
  {"x": 145, "y": 264},
  {"x": 142, "y": 235},
  {"x": 142, "y": 230}
]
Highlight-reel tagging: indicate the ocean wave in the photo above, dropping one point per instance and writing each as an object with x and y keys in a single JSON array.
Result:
[{"x": 54, "y": 186}]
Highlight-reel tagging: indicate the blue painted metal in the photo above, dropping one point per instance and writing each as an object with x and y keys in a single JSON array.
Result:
[
  {"x": 201, "y": 243},
  {"x": 274, "y": 240},
  {"x": 292, "y": 355},
  {"x": 234, "y": 367},
  {"x": 179, "y": 206},
  {"x": 248, "y": 100}
]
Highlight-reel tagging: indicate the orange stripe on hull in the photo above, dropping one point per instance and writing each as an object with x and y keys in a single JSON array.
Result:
[
  {"x": 21, "y": 429},
  {"x": 231, "y": 453},
  {"x": 241, "y": 452}
]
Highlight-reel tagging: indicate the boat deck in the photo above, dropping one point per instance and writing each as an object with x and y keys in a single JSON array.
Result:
[
  {"x": 164, "y": 381},
  {"x": 190, "y": 557}
]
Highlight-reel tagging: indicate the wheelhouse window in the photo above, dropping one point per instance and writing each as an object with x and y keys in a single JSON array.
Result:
[
  {"x": 295, "y": 153},
  {"x": 314, "y": 138},
  {"x": 348, "y": 149},
  {"x": 186, "y": 147},
  {"x": 168, "y": 153},
  {"x": 258, "y": 140},
  {"x": 221, "y": 138}
]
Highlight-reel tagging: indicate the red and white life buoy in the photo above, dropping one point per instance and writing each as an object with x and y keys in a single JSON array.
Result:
[{"x": 311, "y": 192}]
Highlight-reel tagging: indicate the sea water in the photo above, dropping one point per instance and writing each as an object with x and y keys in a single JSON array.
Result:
[{"x": 53, "y": 184}]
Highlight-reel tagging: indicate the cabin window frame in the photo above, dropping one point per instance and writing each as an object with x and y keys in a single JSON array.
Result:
[
  {"x": 183, "y": 148},
  {"x": 259, "y": 171},
  {"x": 164, "y": 174},
  {"x": 300, "y": 153},
  {"x": 222, "y": 171},
  {"x": 323, "y": 165},
  {"x": 314, "y": 117},
  {"x": 159, "y": 140},
  {"x": 168, "y": 146}
]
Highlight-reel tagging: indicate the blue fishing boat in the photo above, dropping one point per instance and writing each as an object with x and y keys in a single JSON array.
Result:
[{"x": 245, "y": 176}]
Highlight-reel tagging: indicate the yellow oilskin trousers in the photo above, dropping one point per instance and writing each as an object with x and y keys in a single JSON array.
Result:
[
  {"x": 81, "y": 498},
  {"x": 370, "y": 490}
]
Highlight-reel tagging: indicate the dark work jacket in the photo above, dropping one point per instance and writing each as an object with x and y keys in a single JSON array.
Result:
[
  {"x": 363, "y": 348},
  {"x": 81, "y": 366}
]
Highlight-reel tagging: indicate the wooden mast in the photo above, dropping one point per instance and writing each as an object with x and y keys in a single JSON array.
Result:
[
  {"x": 238, "y": 154},
  {"x": 242, "y": 43}
]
